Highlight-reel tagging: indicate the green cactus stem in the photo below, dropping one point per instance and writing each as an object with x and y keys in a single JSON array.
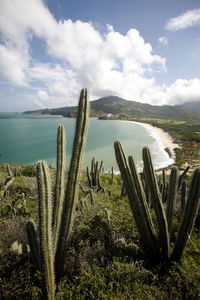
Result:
[
  {"x": 34, "y": 243},
  {"x": 188, "y": 217},
  {"x": 171, "y": 199},
  {"x": 45, "y": 229},
  {"x": 137, "y": 202},
  {"x": 73, "y": 181},
  {"x": 183, "y": 195},
  {"x": 60, "y": 183},
  {"x": 157, "y": 203}
]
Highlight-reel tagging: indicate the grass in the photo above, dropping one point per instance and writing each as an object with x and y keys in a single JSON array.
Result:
[{"x": 105, "y": 259}]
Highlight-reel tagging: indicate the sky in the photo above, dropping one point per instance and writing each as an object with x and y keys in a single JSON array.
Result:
[{"x": 146, "y": 51}]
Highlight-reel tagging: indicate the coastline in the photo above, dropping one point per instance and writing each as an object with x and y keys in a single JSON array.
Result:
[{"x": 164, "y": 139}]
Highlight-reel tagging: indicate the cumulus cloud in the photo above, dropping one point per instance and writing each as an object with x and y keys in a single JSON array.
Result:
[
  {"x": 42, "y": 95},
  {"x": 188, "y": 19},
  {"x": 163, "y": 40},
  {"x": 13, "y": 65},
  {"x": 109, "y": 63}
]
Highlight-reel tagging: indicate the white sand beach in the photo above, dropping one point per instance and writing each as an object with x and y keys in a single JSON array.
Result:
[{"x": 165, "y": 138}]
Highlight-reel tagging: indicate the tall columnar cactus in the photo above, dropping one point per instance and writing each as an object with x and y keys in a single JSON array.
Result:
[
  {"x": 157, "y": 202},
  {"x": 45, "y": 213},
  {"x": 156, "y": 240},
  {"x": 137, "y": 202},
  {"x": 60, "y": 183},
  {"x": 56, "y": 216},
  {"x": 188, "y": 218},
  {"x": 72, "y": 188}
]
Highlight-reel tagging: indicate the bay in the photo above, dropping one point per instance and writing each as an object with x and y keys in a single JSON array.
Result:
[{"x": 26, "y": 139}]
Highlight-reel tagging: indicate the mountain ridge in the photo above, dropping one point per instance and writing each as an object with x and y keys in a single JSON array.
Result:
[{"x": 123, "y": 108}]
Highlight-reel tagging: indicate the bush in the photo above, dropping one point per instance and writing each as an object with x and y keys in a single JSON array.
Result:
[{"x": 29, "y": 171}]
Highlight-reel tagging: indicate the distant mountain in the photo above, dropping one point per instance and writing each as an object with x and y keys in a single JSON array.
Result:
[
  {"x": 192, "y": 106},
  {"x": 124, "y": 108}
]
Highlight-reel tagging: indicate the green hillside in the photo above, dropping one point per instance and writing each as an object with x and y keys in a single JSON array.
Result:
[{"x": 122, "y": 108}]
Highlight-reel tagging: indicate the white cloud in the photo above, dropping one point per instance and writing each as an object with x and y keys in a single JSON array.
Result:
[
  {"x": 13, "y": 65},
  {"x": 163, "y": 40},
  {"x": 185, "y": 20},
  {"x": 109, "y": 63},
  {"x": 42, "y": 95}
]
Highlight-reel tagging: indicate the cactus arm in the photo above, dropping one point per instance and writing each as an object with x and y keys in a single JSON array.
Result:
[
  {"x": 182, "y": 176},
  {"x": 33, "y": 243},
  {"x": 45, "y": 229},
  {"x": 137, "y": 202},
  {"x": 157, "y": 203},
  {"x": 89, "y": 178},
  {"x": 173, "y": 183},
  {"x": 188, "y": 218},
  {"x": 73, "y": 180},
  {"x": 183, "y": 195},
  {"x": 60, "y": 189}
]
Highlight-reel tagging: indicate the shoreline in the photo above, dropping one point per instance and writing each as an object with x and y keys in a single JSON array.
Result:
[{"x": 163, "y": 138}]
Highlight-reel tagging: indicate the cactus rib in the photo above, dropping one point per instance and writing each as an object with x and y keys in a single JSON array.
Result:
[
  {"x": 45, "y": 229},
  {"x": 73, "y": 179},
  {"x": 157, "y": 203},
  {"x": 188, "y": 217}
]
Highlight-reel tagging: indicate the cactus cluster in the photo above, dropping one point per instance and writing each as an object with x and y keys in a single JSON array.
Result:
[
  {"x": 93, "y": 175},
  {"x": 156, "y": 236},
  {"x": 56, "y": 214}
]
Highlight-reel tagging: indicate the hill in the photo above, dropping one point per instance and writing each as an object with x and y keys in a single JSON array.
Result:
[
  {"x": 192, "y": 106},
  {"x": 122, "y": 108}
]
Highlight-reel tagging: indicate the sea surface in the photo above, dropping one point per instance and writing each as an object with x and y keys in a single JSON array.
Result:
[{"x": 26, "y": 139}]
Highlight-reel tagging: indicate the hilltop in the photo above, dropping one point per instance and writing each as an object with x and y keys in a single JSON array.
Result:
[{"x": 122, "y": 108}]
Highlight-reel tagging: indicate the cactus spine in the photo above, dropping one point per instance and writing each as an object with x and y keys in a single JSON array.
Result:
[
  {"x": 45, "y": 229},
  {"x": 188, "y": 218},
  {"x": 34, "y": 243},
  {"x": 60, "y": 183},
  {"x": 137, "y": 201},
  {"x": 171, "y": 200},
  {"x": 72, "y": 188},
  {"x": 94, "y": 175},
  {"x": 55, "y": 224},
  {"x": 153, "y": 241},
  {"x": 157, "y": 202}
]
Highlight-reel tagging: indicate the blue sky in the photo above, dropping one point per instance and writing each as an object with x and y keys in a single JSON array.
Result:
[{"x": 146, "y": 51}]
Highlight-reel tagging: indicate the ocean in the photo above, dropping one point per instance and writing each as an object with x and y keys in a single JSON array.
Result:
[{"x": 26, "y": 139}]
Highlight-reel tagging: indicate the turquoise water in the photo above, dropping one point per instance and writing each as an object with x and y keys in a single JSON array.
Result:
[{"x": 28, "y": 138}]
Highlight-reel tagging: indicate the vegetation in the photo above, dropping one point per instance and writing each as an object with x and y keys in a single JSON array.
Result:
[
  {"x": 123, "y": 109},
  {"x": 89, "y": 246},
  {"x": 105, "y": 258}
]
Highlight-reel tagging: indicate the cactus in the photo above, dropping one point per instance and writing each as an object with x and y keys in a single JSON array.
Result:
[
  {"x": 137, "y": 202},
  {"x": 72, "y": 188},
  {"x": 183, "y": 195},
  {"x": 173, "y": 184},
  {"x": 157, "y": 202},
  {"x": 93, "y": 175},
  {"x": 34, "y": 243},
  {"x": 60, "y": 183},
  {"x": 154, "y": 241},
  {"x": 9, "y": 180},
  {"x": 56, "y": 216},
  {"x": 188, "y": 217},
  {"x": 45, "y": 229},
  {"x": 182, "y": 176}
]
